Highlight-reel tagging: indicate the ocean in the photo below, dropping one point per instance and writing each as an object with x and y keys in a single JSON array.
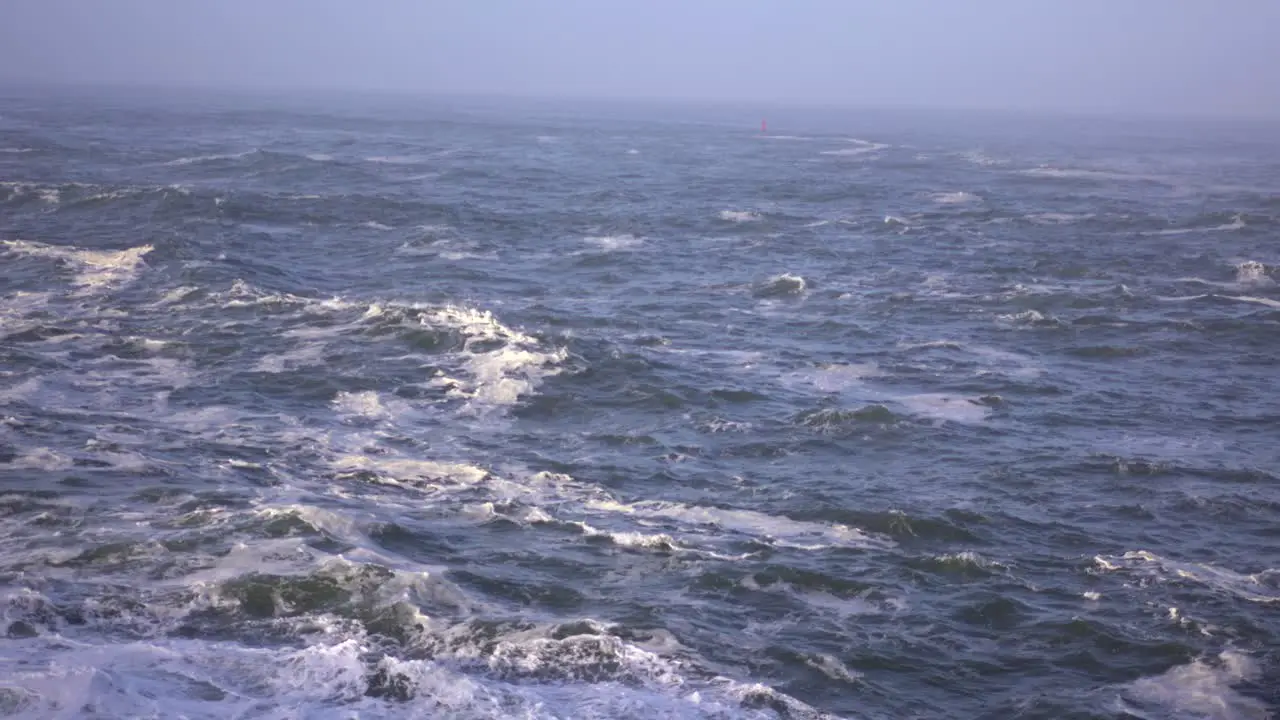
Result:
[{"x": 370, "y": 406}]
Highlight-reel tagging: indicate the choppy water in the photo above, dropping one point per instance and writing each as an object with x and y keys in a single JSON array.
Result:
[{"x": 429, "y": 410}]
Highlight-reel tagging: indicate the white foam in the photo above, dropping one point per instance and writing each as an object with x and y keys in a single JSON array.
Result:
[
  {"x": 932, "y": 344},
  {"x": 647, "y": 541},
  {"x": 838, "y": 377},
  {"x": 307, "y": 355},
  {"x": 1004, "y": 362},
  {"x": 1201, "y": 689},
  {"x": 950, "y": 408},
  {"x": 319, "y": 157},
  {"x": 955, "y": 198},
  {"x": 1253, "y": 273},
  {"x": 977, "y": 157},
  {"x": 364, "y": 404},
  {"x": 633, "y": 151},
  {"x": 739, "y": 216},
  {"x": 374, "y": 225},
  {"x": 1048, "y": 171},
  {"x": 1026, "y": 317},
  {"x": 99, "y": 269},
  {"x": 395, "y": 159},
  {"x": 45, "y": 459},
  {"x": 532, "y": 673},
  {"x": 721, "y": 425},
  {"x": 862, "y": 147},
  {"x": 15, "y": 151},
  {"x": 778, "y": 530},
  {"x": 782, "y": 284},
  {"x": 1236, "y": 223},
  {"x": 615, "y": 242},
  {"x": 412, "y": 470},
  {"x": 502, "y": 375},
  {"x": 1269, "y": 302},
  {"x": 1058, "y": 218},
  {"x": 1259, "y": 587},
  {"x": 209, "y": 158}
]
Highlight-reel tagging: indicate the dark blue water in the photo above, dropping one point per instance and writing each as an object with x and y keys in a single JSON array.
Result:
[{"x": 326, "y": 408}]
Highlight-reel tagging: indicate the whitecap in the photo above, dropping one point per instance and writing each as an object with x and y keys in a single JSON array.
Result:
[
  {"x": 739, "y": 216},
  {"x": 375, "y": 225},
  {"x": 1024, "y": 318},
  {"x": 99, "y": 269},
  {"x": 1049, "y": 171},
  {"x": 948, "y": 408},
  {"x": 977, "y": 157},
  {"x": 862, "y": 147},
  {"x": 1269, "y": 302},
  {"x": 209, "y": 158},
  {"x": 1237, "y": 223},
  {"x": 364, "y": 404},
  {"x": 1252, "y": 273},
  {"x": 615, "y": 242},
  {"x": 958, "y": 197},
  {"x": 1203, "y": 688},
  {"x": 412, "y": 471},
  {"x": 1058, "y": 218},
  {"x": 1259, "y": 587},
  {"x": 779, "y": 285},
  {"x": 837, "y": 377},
  {"x": 395, "y": 159},
  {"x": 709, "y": 522}
]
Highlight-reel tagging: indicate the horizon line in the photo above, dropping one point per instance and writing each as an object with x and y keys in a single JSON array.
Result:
[{"x": 760, "y": 105}]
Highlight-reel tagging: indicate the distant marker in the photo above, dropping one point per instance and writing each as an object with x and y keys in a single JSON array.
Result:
[{"x": 764, "y": 127}]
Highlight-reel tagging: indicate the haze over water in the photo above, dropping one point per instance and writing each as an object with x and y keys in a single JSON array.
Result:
[{"x": 327, "y": 404}]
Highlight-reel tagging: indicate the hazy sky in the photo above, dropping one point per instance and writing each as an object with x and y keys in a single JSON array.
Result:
[{"x": 1202, "y": 56}]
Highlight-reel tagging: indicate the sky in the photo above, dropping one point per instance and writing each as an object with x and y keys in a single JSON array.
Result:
[{"x": 1145, "y": 56}]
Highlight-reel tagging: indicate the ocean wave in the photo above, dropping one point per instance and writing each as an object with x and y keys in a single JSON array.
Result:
[
  {"x": 615, "y": 242},
  {"x": 493, "y": 367},
  {"x": 739, "y": 216},
  {"x": 947, "y": 408},
  {"x": 398, "y": 159},
  {"x": 781, "y": 285},
  {"x": 1061, "y": 173},
  {"x": 701, "y": 520},
  {"x": 861, "y": 147},
  {"x": 1059, "y": 218},
  {"x": 977, "y": 157},
  {"x": 958, "y": 197},
  {"x": 1253, "y": 273},
  {"x": 1259, "y": 587},
  {"x": 198, "y": 159},
  {"x": 98, "y": 269},
  {"x": 1203, "y": 688},
  {"x": 1269, "y": 302},
  {"x": 1237, "y": 223}
]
